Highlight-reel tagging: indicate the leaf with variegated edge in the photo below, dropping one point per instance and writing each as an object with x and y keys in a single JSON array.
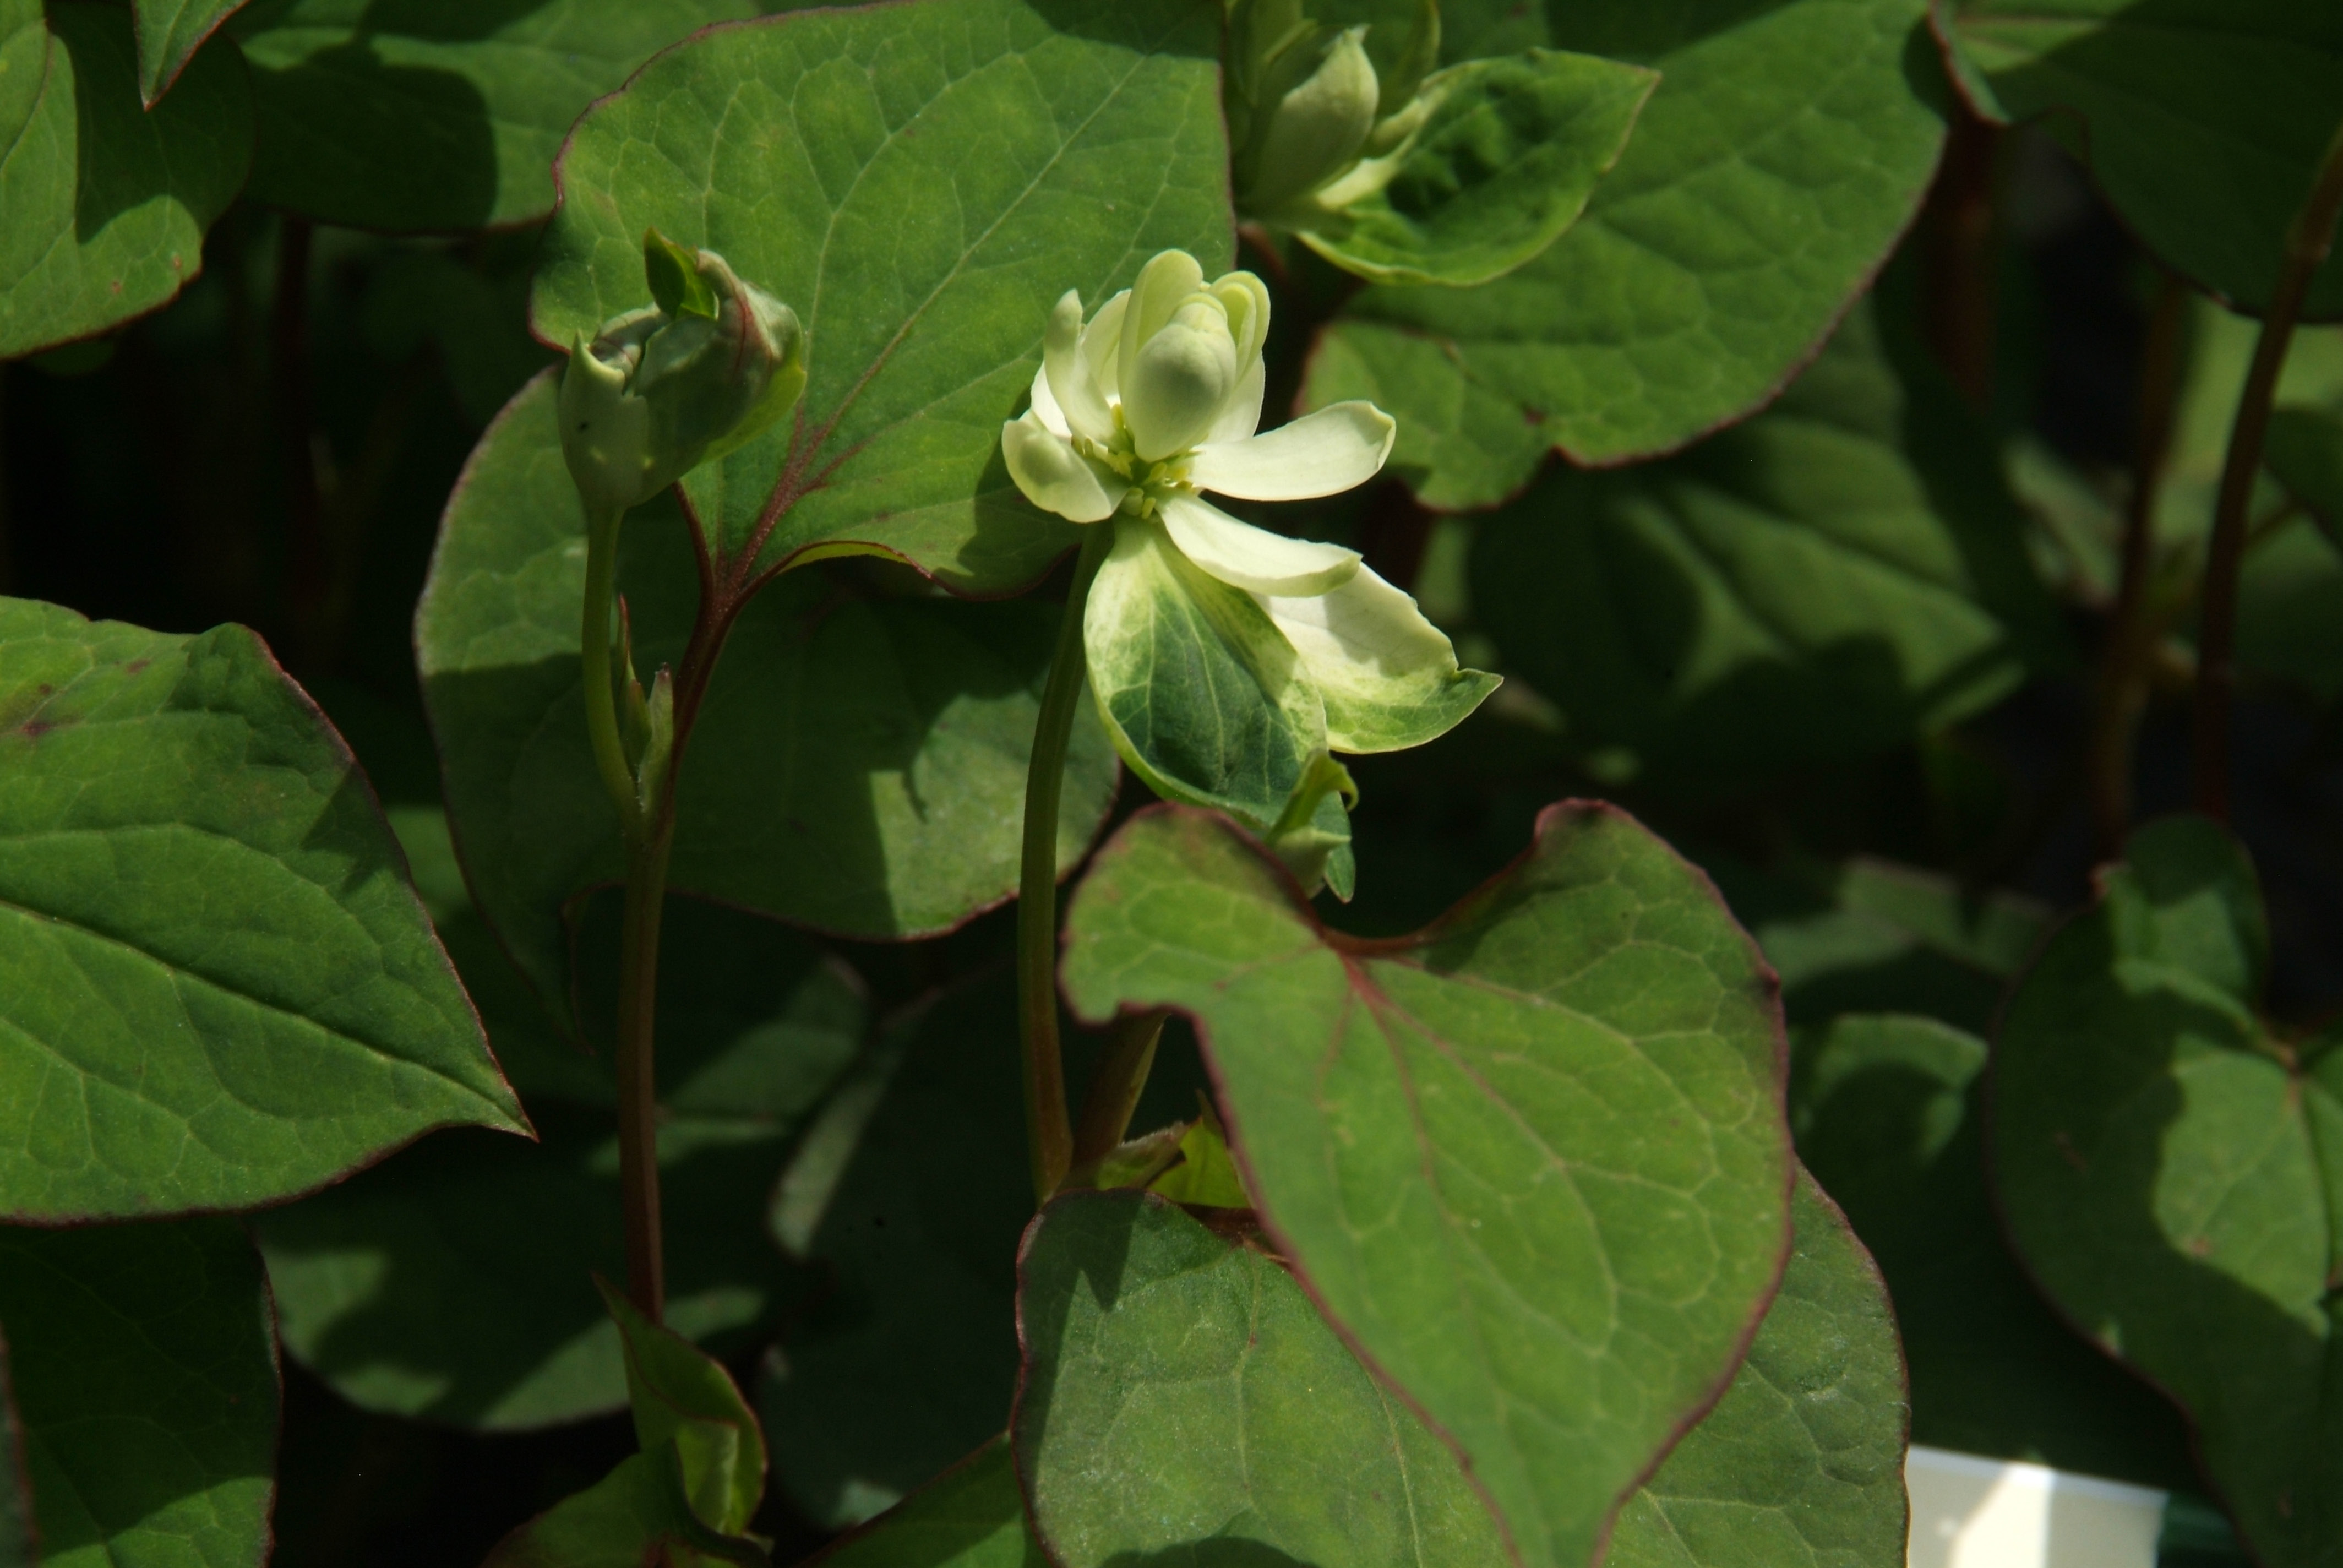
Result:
[
  {"x": 920, "y": 183},
  {"x": 2170, "y": 1170},
  {"x": 217, "y": 987},
  {"x": 1451, "y": 1135}
]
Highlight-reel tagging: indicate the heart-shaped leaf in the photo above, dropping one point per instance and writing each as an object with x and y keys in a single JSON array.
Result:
[
  {"x": 141, "y": 1379},
  {"x": 920, "y": 183},
  {"x": 1452, "y": 1135},
  {"x": 106, "y": 202},
  {"x": 1503, "y": 165},
  {"x": 1802, "y": 1460},
  {"x": 1785, "y": 151},
  {"x": 217, "y": 988},
  {"x": 2203, "y": 120},
  {"x": 436, "y": 115},
  {"x": 971, "y": 1516},
  {"x": 169, "y": 32},
  {"x": 1889, "y": 1110},
  {"x": 2168, "y": 1171},
  {"x": 858, "y": 765},
  {"x": 1182, "y": 1399},
  {"x": 1822, "y": 582}
]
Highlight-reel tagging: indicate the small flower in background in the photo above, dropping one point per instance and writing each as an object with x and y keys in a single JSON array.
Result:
[
  {"x": 660, "y": 390},
  {"x": 1227, "y": 660},
  {"x": 1313, "y": 127}
]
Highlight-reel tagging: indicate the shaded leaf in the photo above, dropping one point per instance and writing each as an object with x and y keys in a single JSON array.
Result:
[
  {"x": 108, "y": 202},
  {"x": 634, "y": 1517},
  {"x": 1182, "y": 1400},
  {"x": 2203, "y": 120},
  {"x": 141, "y": 1381},
  {"x": 1503, "y": 166},
  {"x": 682, "y": 1398},
  {"x": 2305, "y": 451},
  {"x": 456, "y": 1283},
  {"x": 436, "y": 115},
  {"x": 1801, "y": 1461},
  {"x": 1889, "y": 1114},
  {"x": 1043, "y": 146},
  {"x": 1783, "y": 154},
  {"x": 971, "y": 1516},
  {"x": 169, "y": 32},
  {"x": 858, "y": 765},
  {"x": 217, "y": 988},
  {"x": 1825, "y": 581},
  {"x": 1449, "y": 1134},
  {"x": 2168, "y": 1172}
]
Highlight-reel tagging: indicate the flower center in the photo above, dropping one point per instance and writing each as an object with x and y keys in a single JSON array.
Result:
[{"x": 1151, "y": 483}]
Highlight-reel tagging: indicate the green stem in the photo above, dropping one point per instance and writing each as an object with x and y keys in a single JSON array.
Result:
[
  {"x": 2307, "y": 241},
  {"x": 1050, "y": 1135},
  {"x": 594, "y": 647},
  {"x": 1116, "y": 1085},
  {"x": 639, "y": 941}
]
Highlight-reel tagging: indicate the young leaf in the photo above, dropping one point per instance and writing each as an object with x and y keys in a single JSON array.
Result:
[
  {"x": 971, "y": 1516},
  {"x": 1890, "y": 1112},
  {"x": 107, "y": 201},
  {"x": 634, "y": 1517},
  {"x": 1802, "y": 1460},
  {"x": 1451, "y": 1134},
  {"x": 683, "y": 1399},
  {"x": 1503, "y": 166},
  {"x": 169, "y": 32},
  {"x": 1822, "y": 582},
  {"x": 141, "y": 1379},
  {"x": 909, "y": 1191},
  {"x": 858, "y": 765},
  {"x": 436, "y": 115},
  {"x": 2203, "y": 120},
  {"x": 921, "y": 184},
  {"x": 1182, "y": 1400},
  {"x": 2168, "y": 1174},
  {"x": 1782, "y": 155},
  {"x": 217, "y": 989},
  {"x": 453, "y": 1284}
]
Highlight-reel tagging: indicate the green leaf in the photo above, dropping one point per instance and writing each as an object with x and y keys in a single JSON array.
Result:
[
  {"x": 217, "y": 989},
  {"x": 634, "y": 1516},
  {"x": 2305, "y": 450},
  {"x": 1556, "y": 1286},
  {"x": 921, "y": 184},
  {"x": 142, "y": 1383},
  {"x": 909, "y": 1191},
  {"x": 1825, "y": 581},
  {"x": 169, "y": 32},
  {"x": 1783, "y": 154},
  {"x": 971, "y": 1516},
  {"x": 1503, "y": 166},
  {"x": 1802, "y": 1460},
  {"x": 454, "y": 1283},
  {"x": 1872, "y": 936},
  {"x": 681, "y": 1397},
  {"x": 1889, "y": 1111},
  {"x": 1202, "y": 694},
  {"x": 2203, "y": 120},
  {"x": 1182, "y": 1400},
  {"x": 858, "y": 765},
  {"x": 107, "y": 201},
  {"x": 2169, "y": 1173},
  {"x": 436, "y": 115}
]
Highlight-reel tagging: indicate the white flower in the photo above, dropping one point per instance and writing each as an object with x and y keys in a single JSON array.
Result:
[{"x": 1134, "y": 415}]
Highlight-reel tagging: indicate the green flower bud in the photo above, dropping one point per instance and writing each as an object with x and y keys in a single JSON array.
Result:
[
  {"x": 1180, "y": 379},
  {"x": 661, "y": 390}
]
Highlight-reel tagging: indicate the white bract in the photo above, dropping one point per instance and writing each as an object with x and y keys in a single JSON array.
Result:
[{"x": 1201, "y": 628}]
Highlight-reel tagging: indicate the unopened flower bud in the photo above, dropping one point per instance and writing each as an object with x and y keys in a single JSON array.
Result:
[
  {"x": 1318, "y": 104},
  {"x": 659, "y": 391},
  {"x": 1180, "y": 379}
]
